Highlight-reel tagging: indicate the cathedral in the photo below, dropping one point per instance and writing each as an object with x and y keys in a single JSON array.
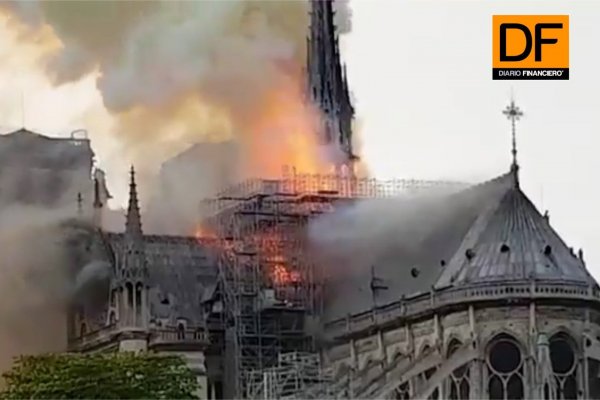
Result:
[{"x": 490, "y": 303}]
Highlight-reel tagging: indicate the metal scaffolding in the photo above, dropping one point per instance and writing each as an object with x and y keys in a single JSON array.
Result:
[
  {"x": 296, "y": 376},
  {"x": 268, "y": 280}
]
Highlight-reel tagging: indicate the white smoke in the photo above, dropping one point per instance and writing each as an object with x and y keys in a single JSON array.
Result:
[
  {"x": 175, "y": 73},
  {"x": 36, "y": 283},
  {"x": 360, "y": 235},
  {"x": 152, "y": 53}
]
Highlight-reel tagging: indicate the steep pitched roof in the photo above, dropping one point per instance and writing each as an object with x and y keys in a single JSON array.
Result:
[
  {"x": 180, "y": 270},
  {"x": 480, "y": 219},
  {"x": 409, "y": 258},
  {"x": 510, "y": 241},
  {"x": 24, "y": 147}
]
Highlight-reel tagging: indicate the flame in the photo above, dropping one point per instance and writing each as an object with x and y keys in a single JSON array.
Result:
[
  {"x": 272, "y": 256},
  {"x": 204, "y": 233},
  {"x": 282, "y": 276},
  {"x": 284, "y": 132},
  {"x": 276, "y": 258}
]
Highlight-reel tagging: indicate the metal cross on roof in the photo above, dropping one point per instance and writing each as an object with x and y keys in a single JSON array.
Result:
[{"x": 513, "y": 113}]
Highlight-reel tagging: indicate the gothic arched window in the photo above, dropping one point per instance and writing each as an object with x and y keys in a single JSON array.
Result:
[
  {"x": 429, "y": 373},
  {"x": 564, "y": 366},
  {"x": 402, "y": 392},
  {"x": 138, "y": 298},
  {"x": 129, "y": 288},
  {"x": 83, "y": 329},
  {"x": 113, "y": 298},
  {"x": 594, "y": 376},
  {"x": 458, "y": 382},
  {"x": 505, "y": 369}
]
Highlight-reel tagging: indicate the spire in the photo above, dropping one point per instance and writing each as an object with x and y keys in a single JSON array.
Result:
[
  {"x": 514, "y": 113},
  {"x": 133, "y": 224},
  {"x": 327, "y": 81}
]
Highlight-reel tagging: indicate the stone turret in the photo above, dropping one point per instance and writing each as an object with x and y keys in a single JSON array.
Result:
[{"x": 130, "y": 286}]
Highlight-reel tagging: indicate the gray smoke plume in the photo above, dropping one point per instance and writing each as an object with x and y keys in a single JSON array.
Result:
[
  {"x": 36, "y": 280},
  {"x": 174, "y": 73},
  {"x": 359, "y": 235},
  {"x": 402, "y": 241},
  {"x": 91, "y": 282}
]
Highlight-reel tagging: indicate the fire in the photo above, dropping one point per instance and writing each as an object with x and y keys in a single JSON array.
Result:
[
  {"x": 282, "y": 276},
  {"x": 274, "y": 257},
  {"x": 285, "y": 132},
  {"x": 203, "y": 233}
]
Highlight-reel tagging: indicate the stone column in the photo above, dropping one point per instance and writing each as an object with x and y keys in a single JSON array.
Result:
[
  {"x": 144, "y": 314},
  {"x": 123, "y": 311}
]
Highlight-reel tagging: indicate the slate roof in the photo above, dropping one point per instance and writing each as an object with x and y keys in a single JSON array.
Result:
[
  {"x": 512, "y": 241},
  {"x": 480, "y": 219},
  {"x": 180, "y": 270},
  {"x": 24, "y": 147}
]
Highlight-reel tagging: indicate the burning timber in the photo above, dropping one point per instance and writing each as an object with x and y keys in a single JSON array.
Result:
[{"x": 272, "y": 288}]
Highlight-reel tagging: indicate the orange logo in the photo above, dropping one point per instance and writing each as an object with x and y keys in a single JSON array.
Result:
[{"x": 530, "y": 47}]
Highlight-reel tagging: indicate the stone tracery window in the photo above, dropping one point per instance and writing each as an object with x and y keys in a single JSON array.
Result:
[
  {"x": 130, "y": 298},
  {"x": 402, "y": 392},
  {"x": 505, "y": 369},
  {"x": 457, "y": 384},
  {"x": 594, "y": 378},
  {"x": 564, "y": 366},
  {"x": 83, "y": 329},
  {"x": 138, "y": 301},
  {"x": 428, "y": 374}
]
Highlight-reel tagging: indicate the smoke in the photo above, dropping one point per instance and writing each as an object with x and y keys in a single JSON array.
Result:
[
  {"x": 94, "y": 276},
  {"x": 360, "y": 235},
  {"x": 35, "y": 284},
  {"x": 174, "y": 73},
  {"x": 402, "y": 241}
]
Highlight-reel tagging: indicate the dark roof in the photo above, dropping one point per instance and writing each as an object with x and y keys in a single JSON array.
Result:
[
  {"x": 512, "y": 241},
  {"x": 180, "y": 270},
  {"x": 439, "y": 230},
  {"x": 420, "y": 233},
  {"x": 24, "y": 147}
]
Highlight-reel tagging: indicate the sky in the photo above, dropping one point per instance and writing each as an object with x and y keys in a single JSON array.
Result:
[
  {"x": 421, "y": 75},
  {"x": 420, "y": 72}
]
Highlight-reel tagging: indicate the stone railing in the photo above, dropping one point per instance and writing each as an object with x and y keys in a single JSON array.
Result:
[
  {"x": 172, "y": 335},
  {"x": 435, "y": 299},
  {"x": 157, "y": 336},
  {"x": 94, "y": 337}
]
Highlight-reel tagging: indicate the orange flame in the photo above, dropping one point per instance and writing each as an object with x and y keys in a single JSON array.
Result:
[
  {"x": 285, "y": 132},
  {"x": 203, "y": 233},
  {"x": 282, "y": 276},
  {"x": 279, "y": 270}
]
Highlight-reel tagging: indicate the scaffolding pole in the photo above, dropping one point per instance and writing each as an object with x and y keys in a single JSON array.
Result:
[
  {"x": 268, "y": 279},
  {"x": 296, "y": 376}
]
